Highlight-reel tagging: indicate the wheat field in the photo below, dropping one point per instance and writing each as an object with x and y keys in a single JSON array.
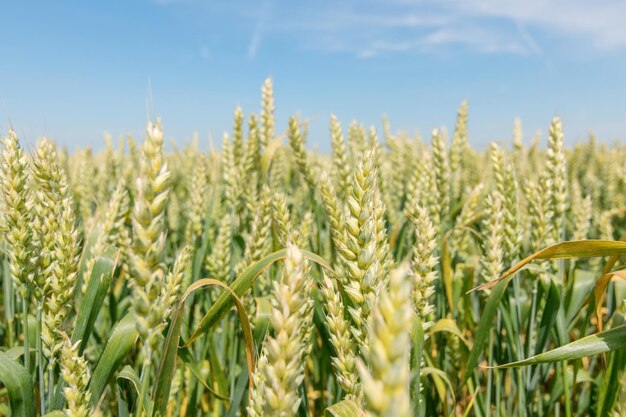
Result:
[{"x": 397, "y": 275}]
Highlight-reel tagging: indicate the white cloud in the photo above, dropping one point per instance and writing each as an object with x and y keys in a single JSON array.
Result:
[
  {"x": 489, "y": 26},
  {"x": 255, "y": 43},
  {"x": 599, "y": 22},
  {"x": 367, "y": 28},
  {"x": 264, "y": 15}
]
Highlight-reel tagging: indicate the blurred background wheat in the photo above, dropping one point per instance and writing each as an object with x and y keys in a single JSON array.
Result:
[{"x": 267, "y": 279}]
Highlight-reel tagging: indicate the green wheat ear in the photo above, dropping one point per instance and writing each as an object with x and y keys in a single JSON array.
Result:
[
  {"x": 423, "y": 264},
  {"x": 14, "y": 177},
  {"x": 441, "y": 176},
  {"x": 58, "y": 245},
  {"x": 280, "y": 370},
  {"x": 371, "y": 313},
  {"x": 507, "y": 190},
  {"x": 267, "y": 114},
  {"x": 198, "y": 202},
  {"x": 492, "y": 262},
  {"x": 75, "y": 373},
  {"x": 385, "y": 376},
  {"x": 153, "y": 188},
  {"x": 557, "y": 177},
  {"x": 344, "y": 361},
  {"x": 114, "y": 233},
  {"x": 296, "y": 142},
  {"x": 341, "y": 158},
  {"x": 218, "y": 262},
  {"x": 358, "y": 247}
]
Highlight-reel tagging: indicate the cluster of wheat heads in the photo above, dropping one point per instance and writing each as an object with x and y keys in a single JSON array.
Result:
[{"x": 265, "y": 279}]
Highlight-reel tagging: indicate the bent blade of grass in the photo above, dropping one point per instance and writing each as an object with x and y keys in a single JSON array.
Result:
[
  {"x": 448, "y": 326},
  {"x": 606, "y": 341},
  {"x": 240, "y": 285},
  {"x": 129, "y": 374},
  {"x": 600, "y": 289},
  {"x": 441, "y": 381},
  {"x": 18, "y": 386},
  {"x": 167, "y": 366},
  {"x": 565, "y": 250}
]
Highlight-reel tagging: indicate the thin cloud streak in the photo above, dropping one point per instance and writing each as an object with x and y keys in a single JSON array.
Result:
[
  {"x": 369, "y": 28},
  {"x": 259, "y": 30}
]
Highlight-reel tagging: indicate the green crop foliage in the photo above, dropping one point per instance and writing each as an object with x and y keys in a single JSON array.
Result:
[{"x": 389, "y": 277}]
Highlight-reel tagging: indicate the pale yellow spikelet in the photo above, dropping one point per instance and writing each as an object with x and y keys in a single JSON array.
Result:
[
  {"x": 114, "y": 233},
  {"x": 492, "y": 261},
  {"x": 344, "y": 361},
  {"x": 459, "y": 138},
  {"x": 198, "y": 200},
  {"x": 267, "y": 114},
  {"x": 49, "y": 186},
  {"x": 507, "y": 189},
  {"x": 302, "y": 234},
  {"x": 56, "y": 239},
  {"x": 85, "y": 188},
  {"x": 462, "y": 238},
  {"x": 108, "y": 170},
  {"x": 153, "y": 188},
  {"x": 441, "y": 175},
  {"x": 238, "y": 147},
  {"x": 298, "y": 149},
  {"x": 557, "y": 177},
  {"x": 251, "y": 160},
  {"x": 259, "y": 242},
  {"x": 383, "y": 250},
  {"x": 332, "y": 208},
  {"x": 281, "y": 220},
  {"x": 171, "y": 291},
  {"x": 280, "y": 370},
  {"x": 232, "y": 182},
  {"x": 218, "y": 262},
  {"x": 341, "y": 160},
  {"x": 75, "y": 373},
  {"x": 386, "y": 375},
  {"x": 414, "y": 191},
  {"x": 518, "y": 144},
  {"x": 582, "y": 211},
  {"x": 279, "y": 170},
  {"x": 359, "y": 244},
  {"x": 539, "y": 214},
  {"x": 459, "y": 152},
  {"x": 356, "y": 140},
  {"x": 423, "y": 264},
  {"x": 14, "y": 178}
]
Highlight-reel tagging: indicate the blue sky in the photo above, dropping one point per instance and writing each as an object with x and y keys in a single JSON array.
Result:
[{"x": 73, "y": 70}]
